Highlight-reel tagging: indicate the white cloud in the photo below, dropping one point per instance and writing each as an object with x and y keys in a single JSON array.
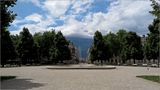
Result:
[
  {"x": 71, "y": 26},
  {"x": 80, "y": 6},
  {"x": 129, "y": 14},
  {"x": 34, "y": 17},
  {"x": 55, "y": 7},
  {"x": 16, "y": 22},
  {"x": 40, "y": 23},
  {"x": 122, "y": 14}
]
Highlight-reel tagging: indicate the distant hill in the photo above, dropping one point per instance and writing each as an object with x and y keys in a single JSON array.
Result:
[{"x": 83, "y": 44}]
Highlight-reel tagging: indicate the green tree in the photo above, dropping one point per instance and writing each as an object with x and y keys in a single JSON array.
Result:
[
  {"x": 133, "y": 44},
  {"x": 153, "y": 40},
  {"x": 7, "y": 16},
  {"x": 8, "y": 49},
  {"x": 47, "y": 42},
  {"x": 26, "y": 47},
  {"x": 38, "y": 42},
  {"x": 62, "y": 49},
  {"x": 93, "y": 54},
  {"x": 53, "y": 50},
  {"x": 98, "y": 50},
  {"x": 15, "y": 40},
  {"x": 113, "y": 44},
  {"x": 122, "y": 52}
]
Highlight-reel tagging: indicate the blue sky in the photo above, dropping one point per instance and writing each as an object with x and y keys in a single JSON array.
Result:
[{"x": 82, "y": 17}]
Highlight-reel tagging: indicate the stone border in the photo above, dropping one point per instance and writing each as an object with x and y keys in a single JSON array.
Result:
[{"x": 81, "y": 68}]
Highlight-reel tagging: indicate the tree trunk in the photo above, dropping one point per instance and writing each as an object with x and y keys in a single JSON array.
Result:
[
  {"x": 91, "y": 61},
  {"x": 158, "y": 62},
  {"x": 101, "y": 62},
  {"x": 134, "y": 61},
  {"x": 2, "y": 65},
  {"x": 153, "y": 61},
  {"x": 123, "y": 61}
]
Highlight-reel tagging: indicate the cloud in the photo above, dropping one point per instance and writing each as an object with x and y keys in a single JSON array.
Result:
[
  {"x": 34, "y": 22},
  {"x": 55, "y": 7},
  {"x": 131, "y": 15},
  {"x": 80, "y": 6},
  {"x": 122, "y": 14},
  {"x": 34, "y": 17}
]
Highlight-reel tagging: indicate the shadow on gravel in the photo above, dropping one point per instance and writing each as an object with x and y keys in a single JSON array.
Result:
[{"x": 19, "y": 84}]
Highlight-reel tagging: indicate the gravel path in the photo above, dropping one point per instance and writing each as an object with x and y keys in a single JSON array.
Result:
[{"x": 40, "y": 78}]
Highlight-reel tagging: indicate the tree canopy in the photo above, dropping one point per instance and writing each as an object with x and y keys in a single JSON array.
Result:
[{"x": 7, "y": 48}]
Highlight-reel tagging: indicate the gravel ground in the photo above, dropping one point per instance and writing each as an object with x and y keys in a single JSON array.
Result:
[{"x": 41, "y": 78}]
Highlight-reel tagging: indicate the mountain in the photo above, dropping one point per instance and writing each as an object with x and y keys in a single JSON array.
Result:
[{"x": 83, "y": 44}]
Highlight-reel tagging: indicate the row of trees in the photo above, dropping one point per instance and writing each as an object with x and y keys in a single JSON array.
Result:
[
  {"x": 128, "y": 45},
  {"x": 48, "y": 47},
  {"x": 122, "y": 45}
]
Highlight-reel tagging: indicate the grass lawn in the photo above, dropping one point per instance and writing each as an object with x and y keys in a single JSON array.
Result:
[
  {"x": 2, "y": 78},
  {"x": 155, "y": 78}
]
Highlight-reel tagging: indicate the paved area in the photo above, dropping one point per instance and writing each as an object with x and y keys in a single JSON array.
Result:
[{"x": 41, "y": 78}]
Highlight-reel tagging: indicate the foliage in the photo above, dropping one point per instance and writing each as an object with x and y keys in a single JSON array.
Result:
[
  {"x": 47, "y": 42},
  {"x": 111, "y": 40},
  {"x": 126, "y": 45},
  {"x": 7, "y": 49},
  {"x": 26, "y": 47},
  {"x": 62, "y": 52},
  {"x": 152, "y": 44},
  {"x": 99, "y": 48},
  {"x": 133, "y": 44},
  {"x": 41, "y": 48},
  {"x": 7, "y": 16}
]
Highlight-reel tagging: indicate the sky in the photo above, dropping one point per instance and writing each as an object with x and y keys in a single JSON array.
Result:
[{"x": 81, "y": 18}]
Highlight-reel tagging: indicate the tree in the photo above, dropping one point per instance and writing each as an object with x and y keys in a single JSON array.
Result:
[
  {"x": 7, "y": 16},
  {"x": 133, "y": 46},
  {"x": 38, "y": 42},
  {"x": 15, "y": 40},
  {"x": 26, "y": 47},
  {"x": 153, "y": 40},
  {"x": 52, "y": 47},
  {"x": 47, "y": 42},
  {"x": 8, "y": 49},
  {"x": 93, "y": 54},
  {"x": 62, "y": 49},
  {"x": 113, "y": 44},
  {"x": 99, "y": 49},
  {"x": 122, "y": 52}
]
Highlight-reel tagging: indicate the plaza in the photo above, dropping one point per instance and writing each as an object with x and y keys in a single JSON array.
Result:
[{"x": 42, "y": 78}]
